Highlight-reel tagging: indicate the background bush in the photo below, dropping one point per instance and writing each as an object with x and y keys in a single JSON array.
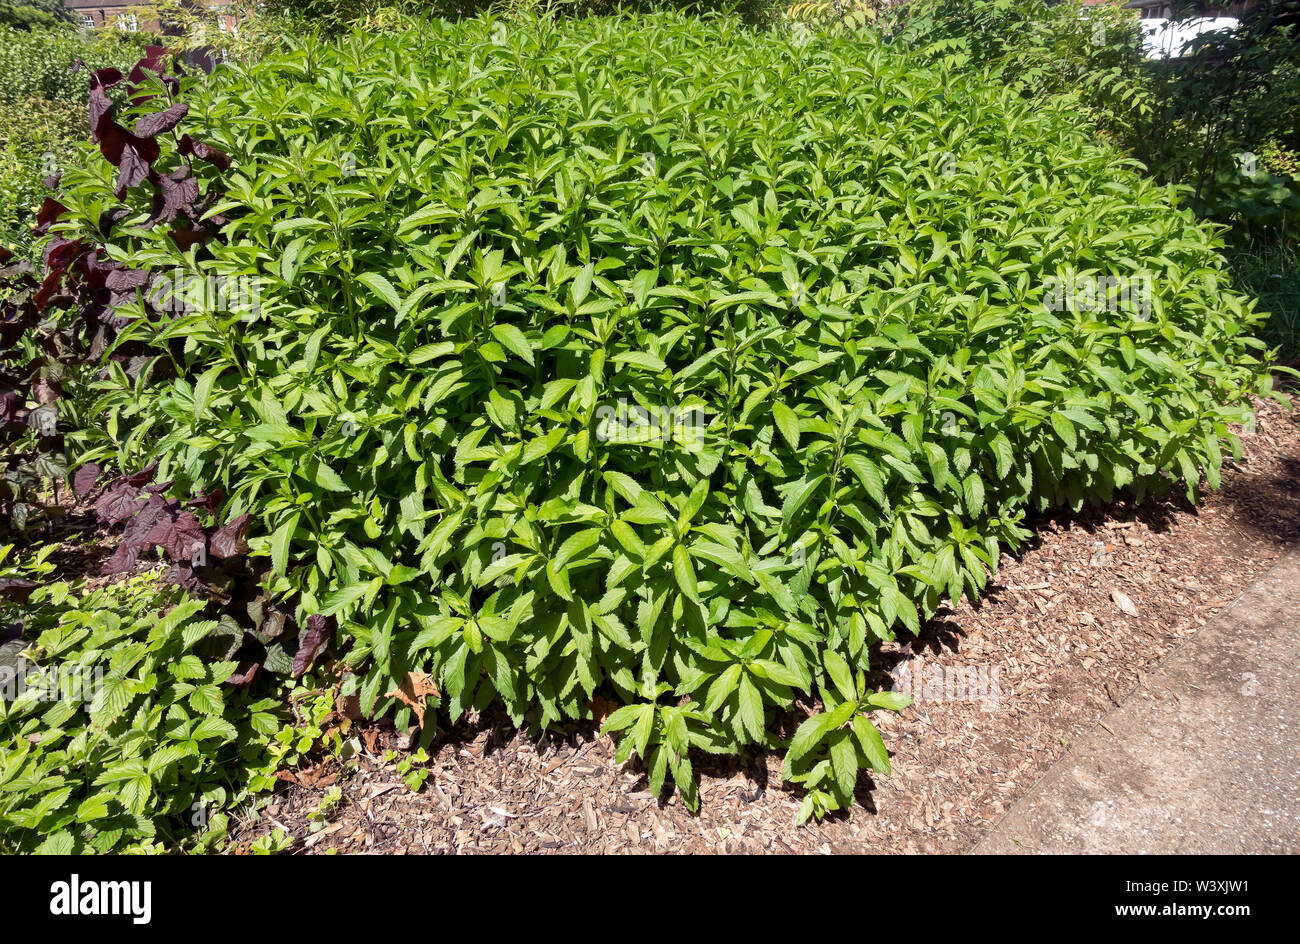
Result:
[
  {"x": 43, "y": 111},
  {"x": 34, "y": 14},
  {"x": 42, "y": 62},
  {"x": 37, "y": 138},
  {"x": 1222, "y": 121},
  {"x": 478, "y": 246},
  {"x": 332, "y": 16}
]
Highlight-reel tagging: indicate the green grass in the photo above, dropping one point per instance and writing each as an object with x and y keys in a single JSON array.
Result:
[{"x": 1271, "y": 274}]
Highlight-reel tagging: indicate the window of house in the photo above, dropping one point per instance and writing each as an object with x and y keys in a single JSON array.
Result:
[
  {"x": 87, "y": 21},
  {"x": 126, "y": 22}
]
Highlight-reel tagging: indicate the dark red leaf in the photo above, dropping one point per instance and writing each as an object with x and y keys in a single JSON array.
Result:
[
  {"x": 94, "y": 271},
  {"x": 48, "y": 215},
  {"x": 186, "y": 236},
  {"x": 175, "y": 192},
  {"x": 130, "y": 154},
  {"x": 143, "y": 477},
  {"x": 109, "y": 218},
  {"x": 105, "y": 78},
  {"x": 178, "y": 533},
  {"x": 49, "y": 288},
  {"x": 310, "y": 642},
  {"x": 204, "y": 152},
  {"x": 125, "y": 280},
  {"x": 158, "y": 122},
  {"x": 101, "y": 110},
  {"x": 120, "y": 502},
  {"x": 244, "y": 675},
  {"x": 152, "y": 61},
  {"x": 140, "y": 525},
  {"x": 16, "y": 590},
  {"x": 10, "y": 406},
  {"x": 83, "y": 482},
  {"x": 228, "y": 541},
  {"x": 122, "y": 561},
  {"x": 62, "y": 251},
  {"x": 133, "y": 169},
  {"x": 183, "y": 575},
  {"x": 209, "y": 502}
]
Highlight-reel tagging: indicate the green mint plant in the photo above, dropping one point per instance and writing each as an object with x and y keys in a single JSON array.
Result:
[
  {"x": 828, "y": 262},
  {"x": 831, "y": 747}
]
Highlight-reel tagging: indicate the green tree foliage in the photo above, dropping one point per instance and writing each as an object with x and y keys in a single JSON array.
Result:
[{"x": 34, "y": 14}]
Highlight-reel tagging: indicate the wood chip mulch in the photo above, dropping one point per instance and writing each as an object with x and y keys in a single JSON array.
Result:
[{"x": 1003, "y": 688}]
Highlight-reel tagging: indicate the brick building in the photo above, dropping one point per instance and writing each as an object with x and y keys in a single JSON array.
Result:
[{"x": 129, "y": 16}]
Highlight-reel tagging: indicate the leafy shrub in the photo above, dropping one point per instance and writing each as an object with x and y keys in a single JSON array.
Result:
[
  {"x": 43, "y": 357},
  {"x": 1259, "y": 202},
  {"x": 333, "y": 16},
  {"x": 34, "y": 452},
  {"x": 43, "y": 112},
  {"x": 37, "y": 138},
  {"x": 203, "y": 551},
  {"x": 115, "y": 735},
  {"x": 840, "y": 14},
  {"x": 199, "y": 34},
  {"x": 33, "y": 14},
  {"x": 1091, "y": 53},
  {"x": 1190, "y": 120},
  {"x": 657, "y": 358},
  {"x": 1233, "y": 96},
  {"x": 42, "y": 62}
]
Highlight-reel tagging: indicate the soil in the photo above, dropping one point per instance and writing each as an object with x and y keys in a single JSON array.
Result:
[{"x": 1069, "y": 625}]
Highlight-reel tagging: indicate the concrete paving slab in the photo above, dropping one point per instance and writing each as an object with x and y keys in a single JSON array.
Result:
[{"x": 1204, "y": 759}]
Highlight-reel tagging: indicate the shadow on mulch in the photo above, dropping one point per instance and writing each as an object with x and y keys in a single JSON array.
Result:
[{"x": 81, "y": 549}]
